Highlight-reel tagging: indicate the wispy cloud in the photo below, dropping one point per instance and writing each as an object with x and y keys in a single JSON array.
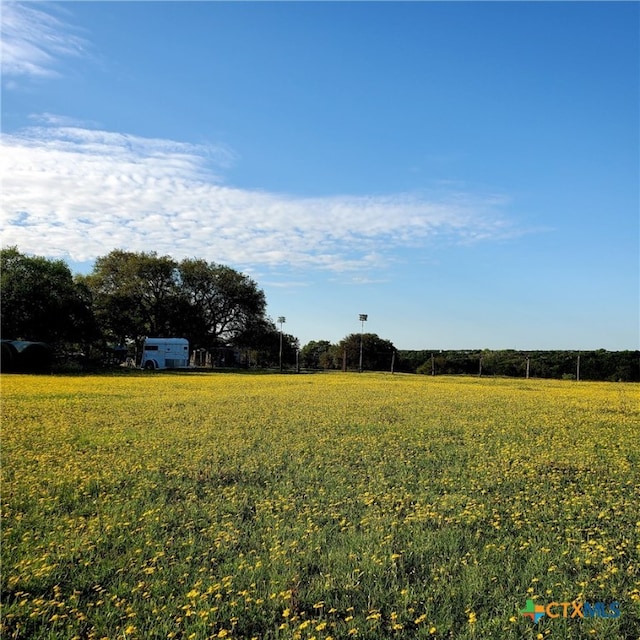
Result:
[
  {"x": 78, "y": 193},
  {"x": 55, "y": 120},
  {"x": 35, "y": 41}
]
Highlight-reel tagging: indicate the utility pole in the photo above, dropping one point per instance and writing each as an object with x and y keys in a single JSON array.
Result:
[
  {"x": 363, "y": 319},
  {"x": 578, "y": 369},
  {"x": 281, "y": 320},
  {"x": 433, "y": 366},
  {"x": 528, "y": 360}
]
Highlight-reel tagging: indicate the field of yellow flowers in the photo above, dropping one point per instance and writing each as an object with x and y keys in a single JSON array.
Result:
[{"x": 328, "y": 506}]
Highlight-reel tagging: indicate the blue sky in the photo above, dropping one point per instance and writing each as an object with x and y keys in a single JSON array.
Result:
[{"x": 467, "y": 174}]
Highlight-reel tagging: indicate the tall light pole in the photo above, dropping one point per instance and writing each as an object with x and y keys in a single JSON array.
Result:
[
  {"x": 281, "y": 321},
  {"x": 363, "y": 319}
]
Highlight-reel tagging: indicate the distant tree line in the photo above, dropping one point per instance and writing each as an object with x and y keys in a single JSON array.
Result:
[
  {"x": 381, "y": 355},
  {"x": 128, "y": 296},
  {"x": 587, "y": 365}
]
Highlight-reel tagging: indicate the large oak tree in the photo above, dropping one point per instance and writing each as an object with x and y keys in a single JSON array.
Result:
[{"x": 143, "y": 294}]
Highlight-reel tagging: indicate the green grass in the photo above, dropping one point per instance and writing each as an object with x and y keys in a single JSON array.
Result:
[{"x": 343, "y": 505}]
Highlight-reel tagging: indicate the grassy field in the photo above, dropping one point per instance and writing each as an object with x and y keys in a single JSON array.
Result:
[{"x": 321, "y": 506}]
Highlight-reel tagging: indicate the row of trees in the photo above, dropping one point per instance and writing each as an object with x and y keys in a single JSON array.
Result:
[
  {"x": 585, "y": 365},
  {"x": 128, "y": 296},
  {"x": 381, "y": 355}
]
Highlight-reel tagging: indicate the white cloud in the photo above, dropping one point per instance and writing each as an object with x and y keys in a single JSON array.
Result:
[
  {"x": 34, "y": 41},
  {"x": 77, "y": 193},
  {"x": 55, "y": 120}
]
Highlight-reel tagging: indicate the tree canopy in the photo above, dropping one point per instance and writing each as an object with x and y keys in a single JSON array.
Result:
[
  {"x": 130, "y": 295},
  {"x": 143, "y": 294},
  {"x": 314, "y": 354},
  {"x": 377, "y": 353},
  {"x": 220, "y": 302},
  {"x": 41, "y": 301}
]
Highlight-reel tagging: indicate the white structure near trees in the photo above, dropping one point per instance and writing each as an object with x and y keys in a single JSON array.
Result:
[{"x": 165, "y": 353}]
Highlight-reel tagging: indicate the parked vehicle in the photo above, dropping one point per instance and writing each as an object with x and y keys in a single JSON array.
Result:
[{"x": 165, "y": 353}]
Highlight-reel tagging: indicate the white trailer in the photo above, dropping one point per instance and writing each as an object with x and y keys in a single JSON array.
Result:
[{"x": 165, "y": 353}]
